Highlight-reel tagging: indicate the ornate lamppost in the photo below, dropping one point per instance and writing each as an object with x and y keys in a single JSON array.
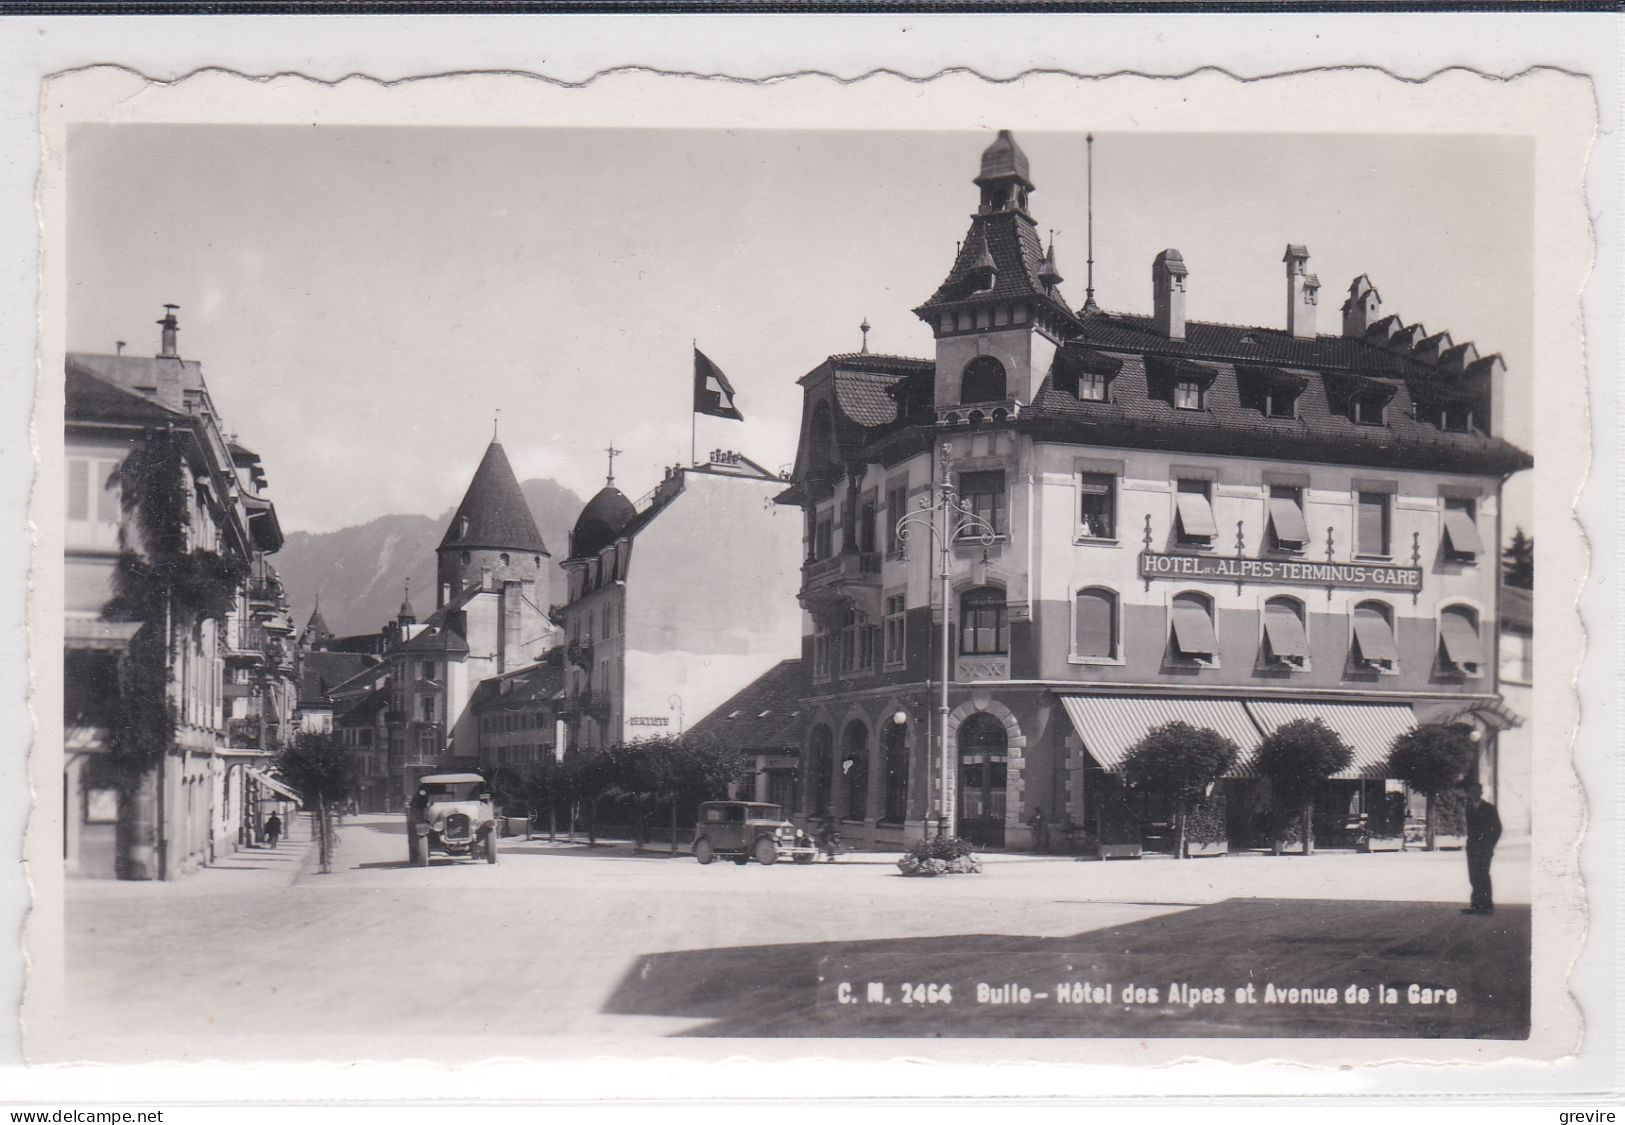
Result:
[{"x": 948, "y": 520}]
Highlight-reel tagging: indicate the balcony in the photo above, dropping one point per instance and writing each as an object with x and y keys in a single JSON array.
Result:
[{"x": 851, "y": 577}]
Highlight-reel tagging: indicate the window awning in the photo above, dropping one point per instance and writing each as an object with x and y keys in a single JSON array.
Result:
[
  {"x": 1368, "y": 728},
  {"x": 1460, "y": 639},
  {"x": 1110, "y": 725},
  {"x": 1284, "y": 631},
  {"x": 273, "y": 784},
  {"x": 1193, "y": 630},
  {"x": 1196, "y": 515},
  {"x": 1463, "y": 536},
  {"x": 1287, "y": 519},
  {"x": 1373, "y": 635}
]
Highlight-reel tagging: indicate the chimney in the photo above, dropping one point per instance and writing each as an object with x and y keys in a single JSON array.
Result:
[
  {"x": 1363, "y": 309},
  {"x": 1168, "y": 274},
  {"x": 1302, "y": 293},
  {"x": 170, "y": 326}
]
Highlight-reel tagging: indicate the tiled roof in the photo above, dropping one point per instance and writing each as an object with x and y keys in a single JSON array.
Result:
[
  {"x": 437, "y": 638},
  {"x": 1018, "y": 258},
  {"x": 321, "y": 672},
  {"x": 865, "y": 397},
  {"x": 603, "y": 520},
  {"x": 136, "y": 371},
  {"x": 766, "y": 715},
  {"x": 539, "y": 683},
  {"x": 496, "y": 513},
  {"x": 93, "y": 397}
]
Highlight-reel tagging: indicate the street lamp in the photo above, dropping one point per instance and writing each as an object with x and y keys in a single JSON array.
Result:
[{"x": 948, "y": 520}]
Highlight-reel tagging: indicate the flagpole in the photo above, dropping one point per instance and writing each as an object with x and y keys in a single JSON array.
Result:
[{"x": 693, "y": 415}]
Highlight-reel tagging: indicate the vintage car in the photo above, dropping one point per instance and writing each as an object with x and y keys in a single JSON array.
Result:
[
  {"x": 452, "y": 814},
  {"x": 744, "y": 830}
]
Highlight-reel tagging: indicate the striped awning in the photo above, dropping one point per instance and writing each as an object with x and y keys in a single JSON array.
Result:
[
  {"x": 1368, "y": 728},
  {"x": 1110, "y": 725},
  {"x": 273, "y": 784}
]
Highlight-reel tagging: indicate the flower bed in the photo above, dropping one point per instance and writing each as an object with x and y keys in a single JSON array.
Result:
[{"x": 940, "y": 855}]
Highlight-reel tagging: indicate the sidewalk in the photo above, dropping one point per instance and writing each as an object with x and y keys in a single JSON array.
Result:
[{"x": 259, "y": 868}]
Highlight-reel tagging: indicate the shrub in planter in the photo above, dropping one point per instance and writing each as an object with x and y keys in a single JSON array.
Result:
[
  {"x": 940, "y": 855},
  {"x": 1205, "y": 826},
  {"x": 1432, "y": 760},
  {"x": 1450, "y": 813},
  {"x": 1386, "y": 820}
]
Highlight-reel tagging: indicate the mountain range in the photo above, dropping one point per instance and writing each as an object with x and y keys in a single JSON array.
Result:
[{"x": 361, "y": 572}]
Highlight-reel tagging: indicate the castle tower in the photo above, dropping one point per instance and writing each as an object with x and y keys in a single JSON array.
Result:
[
  {"x": 492, "y": 540},
  {"x": 998, "y": 316}
]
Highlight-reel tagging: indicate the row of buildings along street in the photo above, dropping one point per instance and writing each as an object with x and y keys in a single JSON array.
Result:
[{"x": 990, "y": 571}]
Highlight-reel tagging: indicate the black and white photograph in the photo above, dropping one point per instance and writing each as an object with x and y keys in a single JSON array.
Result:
[{"x": 1028, "y": 577}]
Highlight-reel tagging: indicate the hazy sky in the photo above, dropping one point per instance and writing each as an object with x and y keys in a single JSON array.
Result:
[{"x": 364, "y": 299}]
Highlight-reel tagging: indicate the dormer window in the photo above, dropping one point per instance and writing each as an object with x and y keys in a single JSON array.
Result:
[
  {"x": 1187, "y": 394},
  {"x": 1369, "y": 410},
  {"x": 1092, "y": 386},
  {"x": 1455, "y": 417},
  {"x": 1281, "y": 404}
]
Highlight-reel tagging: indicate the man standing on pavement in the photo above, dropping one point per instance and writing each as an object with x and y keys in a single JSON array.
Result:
[
  {"x": 273, "y": 828},
  {"x": 1483, "y": 830}
]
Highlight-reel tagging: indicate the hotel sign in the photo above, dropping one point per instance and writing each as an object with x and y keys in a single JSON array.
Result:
[{"x": 1290, "y": 572}]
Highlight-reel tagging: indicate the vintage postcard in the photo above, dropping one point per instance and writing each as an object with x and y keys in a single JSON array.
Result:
[{"x": 1040, "y": 571}]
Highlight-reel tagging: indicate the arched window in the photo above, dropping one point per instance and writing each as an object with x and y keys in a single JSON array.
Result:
[
  {"x": 1286, "y": 641},
  {"x": 855, "y": 769},
  {"x": 1095, "y": 624},
  {"x": 1191, "y": 632},
  {"x": 983, "y": 626},
  {"x": 820, "y": 769},
  {"x": 1374, "y": 637},
  {"x": 895, "y": 744},
  {"x": 982, "y": 380},
  {"x": 1459, "y": 646},
  {"x": 983, "y": 763}
]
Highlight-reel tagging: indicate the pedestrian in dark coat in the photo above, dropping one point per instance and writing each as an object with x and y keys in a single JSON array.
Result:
[
  {"x": 273, "y": 828},
  {"x": 1483, "y": 830}
]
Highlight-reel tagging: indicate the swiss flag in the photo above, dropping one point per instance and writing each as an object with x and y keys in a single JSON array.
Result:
[{"x": 713, "y": 394}]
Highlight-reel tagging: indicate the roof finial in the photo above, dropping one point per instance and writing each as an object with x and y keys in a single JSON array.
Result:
[
  {"x": 613, "y": 452},
  {"x": 864, "y": 327},
  {"x": 1089, "y": 283},
  {"x": 496, "y": 420}
]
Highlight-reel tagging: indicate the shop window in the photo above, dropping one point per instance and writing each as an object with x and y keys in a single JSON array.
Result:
[
  {"x": 1374, "y": 645},
  {"x": 1095, "y": 625},
  {"x": 1286, "y": 641},
  {"x": 896, "y": 629},
  {"x": 983, "y": 623},
  {"x": 983, "y": 494},
  {"x": 1372, "y": 525},
  {"x": 1193, "y": 506},
  {"x": 983, "y": 380},
  {"x": 1097, "y": 506},
  {"x": 1460, "y": 649},
  {"x": 1191, "y": 632},
  {"x": 1461, "y": 542},
  {"x": 1287, "y": 529},
  {"x": 855, "y": 770}
]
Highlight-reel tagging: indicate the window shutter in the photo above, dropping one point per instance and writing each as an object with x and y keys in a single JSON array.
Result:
[
  {"x": 1283, "y": 628},
  {"x": 1193, "y": 629},
  {"x": 1196, "y": 516},
  {"x": 1374, "y": 636},
  {"x": 1460, "y": 532},
  {"x": 1460, "y": 636},
  {"x": 1373, "y": 517},
  {"x": 1096, "y": 624},
  {"x": 1287, "y": 519}
]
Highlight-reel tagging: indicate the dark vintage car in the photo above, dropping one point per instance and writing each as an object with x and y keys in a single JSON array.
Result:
[
  {"x": 451, "y": 814},
  {"x": 744, "y": 830}
]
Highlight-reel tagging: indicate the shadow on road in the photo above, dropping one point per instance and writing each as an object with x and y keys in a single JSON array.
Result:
[{"x": 1270, "y": 944}]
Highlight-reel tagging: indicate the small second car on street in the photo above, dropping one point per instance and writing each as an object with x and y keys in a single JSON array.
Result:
[{"x": 747, "y": 830}]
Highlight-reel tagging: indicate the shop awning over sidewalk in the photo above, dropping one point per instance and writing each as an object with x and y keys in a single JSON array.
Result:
[
  {"x": 274, "y": 785},
  {"x": 1110, "y": 725},
  {"x": 1368, "y": 728}
]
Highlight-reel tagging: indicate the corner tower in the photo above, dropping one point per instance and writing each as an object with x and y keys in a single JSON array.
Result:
[
  {"x": 492, "y": 540},
  {"x": 998, "y": 316}
]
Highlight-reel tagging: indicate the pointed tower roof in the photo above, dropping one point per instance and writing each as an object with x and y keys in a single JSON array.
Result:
[
  {"x": 606, "y": 515},
  {"x": 316, "y": 630},
  {"x": 494, "y": 514},
  {"x": 1004, "y": 159}
]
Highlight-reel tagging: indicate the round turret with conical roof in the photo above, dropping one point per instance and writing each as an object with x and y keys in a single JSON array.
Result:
[{"x": 493, "y": 536}]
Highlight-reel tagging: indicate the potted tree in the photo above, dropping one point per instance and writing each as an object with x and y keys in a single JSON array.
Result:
[
  {"x": 1432, "y": 759},
  {"x": 1297, "y": 758},
  {"x": 1180, "y": 763},
  {"x": 1205, "y": 832},
  {"x": 1385, "y": 824}
]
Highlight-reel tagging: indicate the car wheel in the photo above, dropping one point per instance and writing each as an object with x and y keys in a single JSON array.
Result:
[
  {"x": 420, "y": 850},
  {"x": 491, "y": 846},
  {"x": 703, "y": 851},
  {"x": 805, "y": 859},
  {"x": 764, "y": 851}
]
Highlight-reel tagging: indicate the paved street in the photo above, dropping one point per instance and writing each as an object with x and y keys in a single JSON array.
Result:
[{"x": 264, "y": 957}]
